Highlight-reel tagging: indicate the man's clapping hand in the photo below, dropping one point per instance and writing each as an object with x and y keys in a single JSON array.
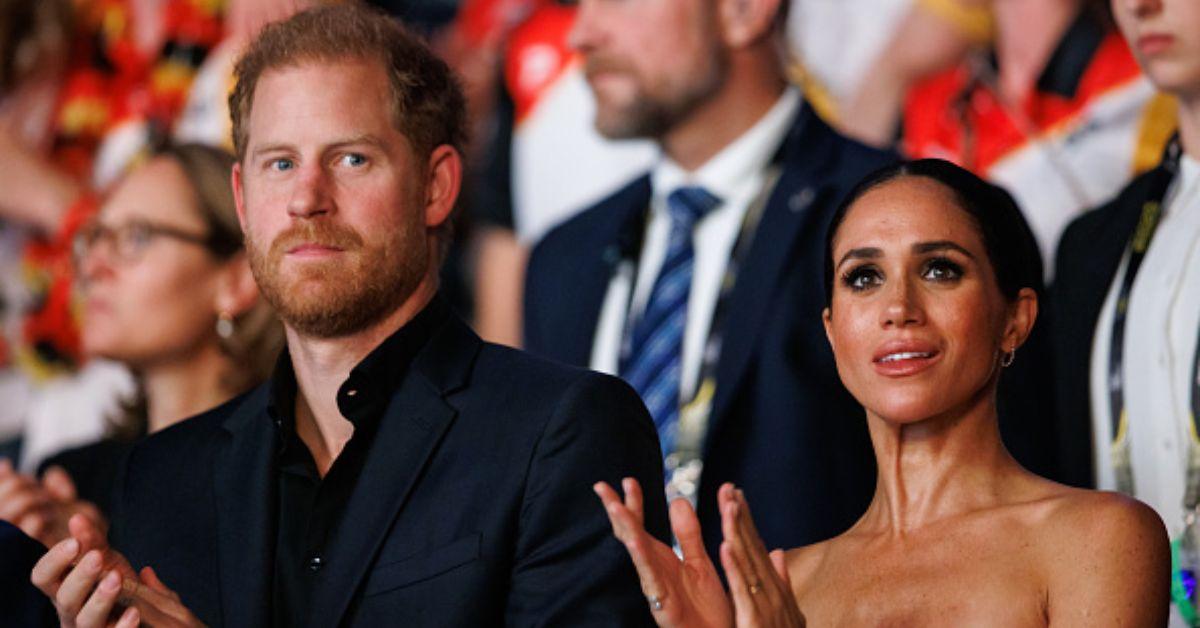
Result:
[{"x": 93, "y": 585}]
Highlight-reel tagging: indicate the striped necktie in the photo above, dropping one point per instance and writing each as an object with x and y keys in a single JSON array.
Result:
[{"x": 653, "y": 356}]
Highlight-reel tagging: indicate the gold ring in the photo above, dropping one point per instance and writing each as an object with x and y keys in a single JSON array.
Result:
[{"x": 755, "y": 587}]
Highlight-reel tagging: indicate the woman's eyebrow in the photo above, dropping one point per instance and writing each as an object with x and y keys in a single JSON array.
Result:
[
  {"x": 940, "y": 245},
  {"x": 861, "y": 253}
]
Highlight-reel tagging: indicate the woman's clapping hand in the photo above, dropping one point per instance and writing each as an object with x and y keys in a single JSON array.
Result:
[{"x": 688, "y": 591}]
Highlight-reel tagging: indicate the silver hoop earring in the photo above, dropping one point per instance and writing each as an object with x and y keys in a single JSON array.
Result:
[
  {"x": 224, "y": 325},
  {"x": 1006, "y": 360}
]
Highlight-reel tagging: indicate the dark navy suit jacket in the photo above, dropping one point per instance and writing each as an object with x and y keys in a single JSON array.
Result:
[
  {"x": 474, "y": 506},
  {"x": 782, "y": 425},
  {"x": 1089, "y": 255},
  {"x": 20, "y": 603}
]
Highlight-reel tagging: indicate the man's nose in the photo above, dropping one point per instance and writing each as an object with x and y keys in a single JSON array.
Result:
[
  {"x": 310, "y": 192},
  {"x": 1140, "y": 8},
  {"x": 583, "y": 34}
]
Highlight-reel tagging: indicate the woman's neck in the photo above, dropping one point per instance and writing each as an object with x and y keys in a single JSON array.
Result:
[
  {"x": 184, "y": 388},
  {"x": 1028, "y": 31},
  {"x": 937, "y": 468}
]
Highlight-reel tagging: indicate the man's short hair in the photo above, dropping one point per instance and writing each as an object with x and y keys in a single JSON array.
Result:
[{"x": 428, "y": 106}]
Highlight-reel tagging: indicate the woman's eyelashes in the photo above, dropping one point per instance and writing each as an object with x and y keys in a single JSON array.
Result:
[
  {"x": 860, "y": 278},
  {"x": 940, "y": 270}
]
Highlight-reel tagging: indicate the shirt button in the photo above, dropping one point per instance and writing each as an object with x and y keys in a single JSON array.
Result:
[{"x": 315, "y": 563}]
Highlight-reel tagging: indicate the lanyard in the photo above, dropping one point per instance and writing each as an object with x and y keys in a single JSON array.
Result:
[
  {"x": 683, "y": 465},
  {"x": 1148, "y": 222}
]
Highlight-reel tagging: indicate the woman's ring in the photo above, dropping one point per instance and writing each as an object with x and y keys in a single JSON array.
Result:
[{"x": 755, "y": 587}]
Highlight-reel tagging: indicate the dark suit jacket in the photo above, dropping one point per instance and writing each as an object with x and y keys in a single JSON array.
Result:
[
  {"x": 782, "y": 426},
  {"x": 20, "y": 603},
  {"x": 1089, "y": 255},
  {"x": 473, "y": 508}
]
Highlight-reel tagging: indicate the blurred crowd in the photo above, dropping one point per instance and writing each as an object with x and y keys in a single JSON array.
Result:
[{"x": 127, "y": 304}]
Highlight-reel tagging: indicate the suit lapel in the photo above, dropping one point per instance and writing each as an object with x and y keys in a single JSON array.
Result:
[
  {"x": 408, "y": 435},
  {"x": 617, "y": 239},
  {"x": 788, "y": 211},
  {"x": 245, "y": 488},
  {"x": 1107, "y": 249}
]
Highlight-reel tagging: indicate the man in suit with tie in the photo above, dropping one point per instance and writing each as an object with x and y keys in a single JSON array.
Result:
[
  {"x": 700, "y": 282},
  {"x": 395, "y": 470}
]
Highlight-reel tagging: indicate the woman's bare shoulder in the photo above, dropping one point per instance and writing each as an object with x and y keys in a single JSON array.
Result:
[
  {"x": 1104, "y": 552},
  {"x": 803, "y": 563},
  {"x": 1079, "y": 516}
]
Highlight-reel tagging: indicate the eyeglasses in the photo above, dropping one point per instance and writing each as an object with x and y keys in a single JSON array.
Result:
[{"x": 128, "y": 242}]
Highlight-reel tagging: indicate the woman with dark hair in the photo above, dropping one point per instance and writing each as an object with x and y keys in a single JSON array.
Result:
[
  {"x": 929, "y": 274},
  {"x": 168, "y": 293}
]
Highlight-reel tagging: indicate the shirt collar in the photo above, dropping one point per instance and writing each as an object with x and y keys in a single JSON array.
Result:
[
  {"x": 740, "y": 161},
  {"x": 371, "y": 383}
]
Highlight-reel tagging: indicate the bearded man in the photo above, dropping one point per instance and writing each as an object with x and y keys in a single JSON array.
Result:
[{"x": 395, "y": 470}]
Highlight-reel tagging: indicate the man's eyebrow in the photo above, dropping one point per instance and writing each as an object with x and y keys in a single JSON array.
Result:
[
  {"x": 365, "y": 138},
  {"x": 861, "y": 253},
  {"x": 940, "y": 245},
  {"x": 270, "y": 148}
]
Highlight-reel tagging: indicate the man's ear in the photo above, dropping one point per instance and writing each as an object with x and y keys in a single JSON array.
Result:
[
  {"x": 238, "y": 194},
  {"x": 237, "y": 291},
  {"x": 442, "y": 184},
  {"x": 745, "y": 22}
]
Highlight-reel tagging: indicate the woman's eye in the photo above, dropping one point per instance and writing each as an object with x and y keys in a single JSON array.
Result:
[
  {"x": 354, "y": 160},
  {"x": 942, "y": 270},
  {"x": 862, "y": 278}
]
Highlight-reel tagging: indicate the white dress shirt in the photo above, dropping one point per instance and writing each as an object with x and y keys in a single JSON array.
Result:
[
  {"x": 736, "y": 175},
  {"x": 1160, "y": 342}
]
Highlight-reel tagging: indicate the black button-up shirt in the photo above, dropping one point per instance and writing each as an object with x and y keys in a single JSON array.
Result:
[{"x": 309, "y": 506}]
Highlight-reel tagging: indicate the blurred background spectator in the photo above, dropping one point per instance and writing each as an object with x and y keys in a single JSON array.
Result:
[{"x": 168, "y": 294}]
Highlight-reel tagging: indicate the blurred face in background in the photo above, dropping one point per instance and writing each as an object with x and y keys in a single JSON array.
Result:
[
  {"x": 1165, "y": 37},
  {"x": 148, "y": 282},
  {"x": 650, "y": 63}
]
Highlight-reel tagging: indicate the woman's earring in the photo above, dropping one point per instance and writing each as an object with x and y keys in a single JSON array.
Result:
[
  {"x": 1006, "y": 360},
  {"x": 224, "y": 325}
]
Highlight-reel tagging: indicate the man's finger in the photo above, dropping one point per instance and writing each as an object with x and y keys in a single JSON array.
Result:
[
  {"x": 100, "y": 604},
  {"x": 87, "y": 533},
  {"x": 129, "y": 619},
  {"x": 48, "y": 572},
  {"x": 78, "y": 584}
]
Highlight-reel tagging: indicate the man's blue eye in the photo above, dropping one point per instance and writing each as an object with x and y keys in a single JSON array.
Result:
[
  {"x": 281, "y": 164},
  {"x": 354, "y": 159}
]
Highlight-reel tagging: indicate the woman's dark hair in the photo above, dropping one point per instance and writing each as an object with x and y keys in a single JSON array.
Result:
[{"x": 1011, "y": 248}]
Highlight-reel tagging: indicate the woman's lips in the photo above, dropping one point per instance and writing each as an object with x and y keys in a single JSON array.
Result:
[
  {"x": 1155, "y": 43},
  {"x": 904, "y": 359}
]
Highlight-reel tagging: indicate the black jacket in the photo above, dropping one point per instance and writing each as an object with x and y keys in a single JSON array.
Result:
[{"x": 474, "y": 506}]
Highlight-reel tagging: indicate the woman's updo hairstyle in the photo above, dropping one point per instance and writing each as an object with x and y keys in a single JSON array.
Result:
[{"x": 1011, "y": 247}]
